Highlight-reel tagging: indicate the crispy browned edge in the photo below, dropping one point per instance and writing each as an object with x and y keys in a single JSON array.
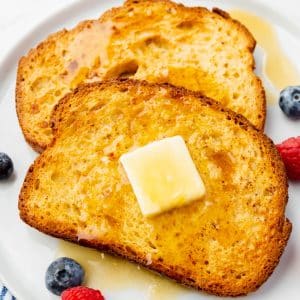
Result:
[
  {"x": 69, "y": 234},
  {"x": 38, "y": 146}
]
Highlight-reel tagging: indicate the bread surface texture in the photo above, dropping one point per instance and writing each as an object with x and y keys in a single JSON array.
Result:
[
  {"x": 156, "y": 40},
  {"x": 226, "y": 244}
]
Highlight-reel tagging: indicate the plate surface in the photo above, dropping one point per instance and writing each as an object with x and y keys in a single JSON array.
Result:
[{"x": 25, "y": 253}]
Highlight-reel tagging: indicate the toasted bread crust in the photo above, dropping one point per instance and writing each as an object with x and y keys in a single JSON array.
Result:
[
  {"x": 57, "y": 228},
  {"x": 35, "y": 126},
  {"x": 61, "y": 111}
]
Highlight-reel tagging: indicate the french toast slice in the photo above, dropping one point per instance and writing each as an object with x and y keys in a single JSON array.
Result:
[
  {"x": 227, "y": 244},
  {"x": 156, "y": 40}
]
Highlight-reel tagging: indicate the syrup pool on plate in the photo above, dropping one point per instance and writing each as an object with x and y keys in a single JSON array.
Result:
[
  {"x": 277, "y": 67},
  {"x": 109, "y": 273}
]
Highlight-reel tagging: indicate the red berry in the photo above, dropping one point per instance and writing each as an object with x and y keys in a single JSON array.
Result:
[
  {"x": 290, "y": 153},
  {"x": 81, "y": 293}
]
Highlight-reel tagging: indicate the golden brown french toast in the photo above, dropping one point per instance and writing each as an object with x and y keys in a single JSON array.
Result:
[
  {"x": 227, "y": 243},
  {"x": 155, "y": 40}
]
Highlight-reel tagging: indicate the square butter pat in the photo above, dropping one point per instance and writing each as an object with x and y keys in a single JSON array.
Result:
[{"x": 163, "y": 175}]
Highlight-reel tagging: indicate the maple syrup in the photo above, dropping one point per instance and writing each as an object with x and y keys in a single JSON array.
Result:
[
  {"x": 111, "y": 274},
  {"x": 277, "y": 67}
]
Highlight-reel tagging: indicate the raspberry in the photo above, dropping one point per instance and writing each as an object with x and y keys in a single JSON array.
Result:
[
  {"x": 81, "y": 293},
  {"x": 290, "y": 153}
]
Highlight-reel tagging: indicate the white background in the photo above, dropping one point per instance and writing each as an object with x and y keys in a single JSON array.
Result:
[{"x": 17, "y": 17}]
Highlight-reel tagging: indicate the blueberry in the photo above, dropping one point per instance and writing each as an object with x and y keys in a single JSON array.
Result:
[
  {"x": 289, "y": 101},
  {"x": 6, "y": 166},
  {"x": 62, "y": 274}
]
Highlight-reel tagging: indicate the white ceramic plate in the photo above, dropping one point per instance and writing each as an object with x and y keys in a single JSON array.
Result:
[{"x": 25, "y": 253}]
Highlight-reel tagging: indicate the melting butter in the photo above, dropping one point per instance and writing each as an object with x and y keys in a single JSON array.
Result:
[
  {"x": 163, "y": 175},
  {"x": 277, "y": 67},
  {"x": 114, "y": 275}
]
